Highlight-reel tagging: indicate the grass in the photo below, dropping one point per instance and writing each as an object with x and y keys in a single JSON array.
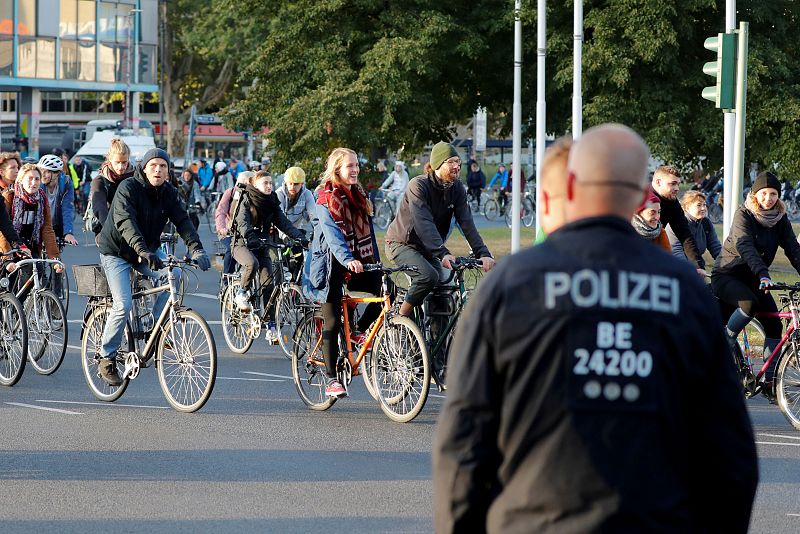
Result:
[
  {"x": 498, "y": 240},
  {"x": 780, "y": 270}
]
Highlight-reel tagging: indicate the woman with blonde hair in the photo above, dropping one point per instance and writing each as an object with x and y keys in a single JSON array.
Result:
[
  {"x": 705, "y": 237},
  {"x": 116, "y": 168},
  {"x": 343, "y": 241}
]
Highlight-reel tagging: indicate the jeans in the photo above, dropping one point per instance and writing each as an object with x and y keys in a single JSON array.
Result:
[
  {"x": 118, "y": 274},
  {"x": 228, "y": 263}
]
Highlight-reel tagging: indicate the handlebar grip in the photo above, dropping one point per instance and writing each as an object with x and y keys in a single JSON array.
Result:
[{"x": 372, "y": 266}]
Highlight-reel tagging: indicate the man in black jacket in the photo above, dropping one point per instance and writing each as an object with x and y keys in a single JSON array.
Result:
[
  {"x": 129, "y": 240},
  {"x": 666, "y": 183},
  {"x": 418, "y": 233},
  {"x": 567, "y": 406}
]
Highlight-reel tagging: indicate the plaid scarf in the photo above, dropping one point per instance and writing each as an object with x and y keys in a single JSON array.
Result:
[
  {"x": 351, "y": 211},
  {"x": 21, "y": 197}
]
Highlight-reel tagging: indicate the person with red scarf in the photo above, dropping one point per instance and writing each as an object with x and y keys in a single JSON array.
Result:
[
  {"x": 343, "y": 241},
  {"x": 115, "y": 168},
  {"x": 29, "y": 210}
]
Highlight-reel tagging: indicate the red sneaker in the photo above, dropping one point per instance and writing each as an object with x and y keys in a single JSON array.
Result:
[
  {"x": 335, "y": 389},
  {"x": 359, "y": 338}
]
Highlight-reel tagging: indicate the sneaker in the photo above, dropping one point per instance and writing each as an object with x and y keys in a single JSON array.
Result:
[
  {"x": 335, "y": 389},
  {"x": 108, "y": 371},
  {"x": 358, "y": 338},
  {"x": 272, "y": 333},
  {"x": 242, "y": 300}
]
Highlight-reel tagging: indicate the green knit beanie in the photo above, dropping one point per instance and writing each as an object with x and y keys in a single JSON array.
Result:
[{"x": 441, "y": 152}]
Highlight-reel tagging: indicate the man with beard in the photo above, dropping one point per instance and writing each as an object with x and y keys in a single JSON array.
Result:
[
  {"x": 666, "y": 182},
  {"x": 297, "y": 202},
  {"x": 418, "y": 233}
]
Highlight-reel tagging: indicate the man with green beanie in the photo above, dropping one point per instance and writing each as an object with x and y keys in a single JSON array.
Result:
[{"x": 418, "y": 233}]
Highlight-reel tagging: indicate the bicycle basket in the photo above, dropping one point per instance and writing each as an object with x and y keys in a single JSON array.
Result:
[{"x": 90, "y": 281}]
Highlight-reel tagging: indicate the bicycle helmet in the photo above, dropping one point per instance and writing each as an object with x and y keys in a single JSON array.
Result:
[
  {"x": 51, "y": 162},
  {"x": 220, "y": 166}
]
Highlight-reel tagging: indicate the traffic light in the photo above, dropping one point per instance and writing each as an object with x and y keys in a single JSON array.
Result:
[{"x": 723, "y": 94}]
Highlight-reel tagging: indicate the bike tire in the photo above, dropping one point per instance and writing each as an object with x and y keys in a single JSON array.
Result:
[
  {"x": 529, "y": 212},
  {"x": 491, "y": 210},
  {"x": 47, "y": 331},
  {"x": 187, "y": 361},
  {"x": 715, "y": 213},
  {"x": 383, "y": 215},
  {"x": 90, "y": 356},
  {"x": 401, "y": 369},
  {"x": 308, "y": 368},
  {"x": 787, "y": 386},
  {"x": 13, "y": 339},
  {"x": 288, "y": 313},
  {"x": 234, "y": 325}
]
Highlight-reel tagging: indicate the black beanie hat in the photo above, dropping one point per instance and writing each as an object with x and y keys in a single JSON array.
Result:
[
  {"x": 154, "y": 153},
  {"x": 766, "y": 179}
]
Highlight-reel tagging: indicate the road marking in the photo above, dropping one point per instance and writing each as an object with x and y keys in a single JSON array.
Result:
[
  {"x": 74, "y": 347},
  {"x": 250, "y": 379},
  {"x": 74, "y": 321},
  {"x": 204, "y": 296},
  {"x": 438, "y": 396},
  {"x": 43, "y": 408},
  {"x": 104, "y": 404},
  {"x": 778, "y": 436},
  {"x": 267, "y": 374},
  {"x": 777, "y": 443},
  {"x": 214, "y": 322},
  {"x": 793, "y": 515}
]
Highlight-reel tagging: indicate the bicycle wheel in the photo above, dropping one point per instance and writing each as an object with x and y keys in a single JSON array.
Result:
[
  {"x": 715, "y": 213},
  {"x": 751, "y": 341},
  {"x": 308, "y": 364},
  {"x": 383, "y": 215},
  {"x": 288, "y": 313},
  {"x": 787, "y": 386},
  {"x": 528, "y": 212},
  {"x": 58, "y": 283},
  {"x": 187, "y": 361},
  {"x": 401, "y": 369},
  {"x": 47, "y": 331},
  {"x": 90, "y": 356},
  {"x": 491, "y": 210},
  {"x": 235, "y": 324},
  {"x": 13, "y": 339},
  {"x": 508, "y": 218}
]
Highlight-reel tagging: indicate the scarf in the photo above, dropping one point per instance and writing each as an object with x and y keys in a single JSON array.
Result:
[
  {"x": 21, "y": 197},
  {"x": 643, "y": 229},
  {"x": 351, "y": 210},
  {"x": 260, "y": 204},
  {"x": 108, "y": 171},
  {"x": 768, "y": 218}
]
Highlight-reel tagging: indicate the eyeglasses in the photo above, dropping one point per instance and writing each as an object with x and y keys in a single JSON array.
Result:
[{"x": 455, "y": 162}]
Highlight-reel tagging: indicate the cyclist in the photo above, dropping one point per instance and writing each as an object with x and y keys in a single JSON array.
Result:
[
  {"x": 141, "y": 208},
  {"x": 476, "y": 181},
  {"x": 740, "y": 276},
  {"x": 189, "y": 193},
  {"x": 9, "y": 167},
  {"x": 705, "y": 237},
  {"x": 206, "y": 175},
  {"x": 223, "y": 177},
  {"x": 60, "y": 196},
  {"x": 258, "y": 210},
  {"x": 27, "y": 206},
  {"x": 418, "y": 233},
  {"x": 223, "y": 219},
  {"x": 116, "y": 168},
  {"x": 297, "y": 202},
  {"x": 501, "y": 179},
  {"x": 343, "y": 241},
  {"x": 395, "y": 185}
]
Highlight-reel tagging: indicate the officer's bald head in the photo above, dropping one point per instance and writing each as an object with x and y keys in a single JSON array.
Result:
[{"x": 607, "y": 173}]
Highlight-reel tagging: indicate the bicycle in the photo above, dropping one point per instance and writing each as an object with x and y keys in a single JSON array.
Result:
[
  {"x": 393, "y": 360},
  {"x": 493, "y": 208},
  {"x": 476, "y": 201},
  {"x": 750, "y": 347},
  {"x": 13, "y": 330},
  {"x": 527, "y": 210},
  {"x": 383, "y": 209},
  {"x": 179, "y": 342},
  {"x": 45, "y": 315},
  {"x": 57, "y": 282}
]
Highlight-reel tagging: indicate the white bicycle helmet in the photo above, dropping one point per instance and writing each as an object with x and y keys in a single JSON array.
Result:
[
  {"x": 51, "y": 162},
  {"x": 220, "y": 166}
]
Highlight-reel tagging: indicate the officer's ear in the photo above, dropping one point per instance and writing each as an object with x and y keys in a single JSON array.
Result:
[{"x": 570, "y": 186}]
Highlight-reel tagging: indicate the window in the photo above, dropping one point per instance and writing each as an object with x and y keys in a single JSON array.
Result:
[
  {"x": 26, "y": 58},
  {"x": 6, "y": 55},
  {"x": 124, "y": 22},
  {"x": 77, "y": 60},
  {"x": 86, "y": 19},
  {"x": 27, "y": 17},
  {"x": 147, "y": 64},
  {"x": 108, "y": 21},
  {"x": 36, "y": 58},
  {"x": 7, "y": 16},
  {"x": 68, "y": 24},
  {"x": 113, "y": 66}
]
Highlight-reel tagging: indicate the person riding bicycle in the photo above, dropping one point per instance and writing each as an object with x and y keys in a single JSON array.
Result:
[
  {"x": 222, "y": 176},
  {"x": 189, "y": 193},
  {"x": 476, "y": 181},
  {"x": 500, "y": 178},
  {"x": 705, "y": 237},
  {"x": 395, "y": 185},
  {"x": 223, "y": 220},
  {"x": 418, "y": 233},
  {"x": 116, "y": 168},
  {"x": 740, "y": 276},
  {"x": 297, "y": 202},
  {"x": 60, "y": 195},
  {"x": 130, "y": 239},
  {"x": 343, "y": 241},
  {"x": 257, "y": 209},
  {"x": 9, "y": 167},
  {"x": 205, "y": 175}
]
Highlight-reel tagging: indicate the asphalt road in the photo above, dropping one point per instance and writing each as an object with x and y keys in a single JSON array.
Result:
[{"x": 254, "y": 458}]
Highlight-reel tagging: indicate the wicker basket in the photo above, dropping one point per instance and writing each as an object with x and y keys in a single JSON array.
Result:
[{"x": 90, "y": 281}]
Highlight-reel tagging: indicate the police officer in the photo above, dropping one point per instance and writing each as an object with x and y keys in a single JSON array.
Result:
[{"x": 570, "y": 406}]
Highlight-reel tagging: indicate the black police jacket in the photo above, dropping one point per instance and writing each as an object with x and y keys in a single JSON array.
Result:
[
  {"x": 592, "y": 389},
  {"x": 138, "y": 215}
]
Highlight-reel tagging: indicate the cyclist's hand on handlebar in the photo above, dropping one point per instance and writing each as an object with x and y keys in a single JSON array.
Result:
[
  {"x": 69, "y": 238},
  {"x": 24, "y": 251},
  {"x": 488, "y": 263},
  {"x": 765, "y": 284},
  {"x": 151, "y": 260},
  {"x": 448, "y": 261},
  {"x": 702, "y": 272},
  {"x": 57, "y": 267},
  {"x": 355, "y": 266},
  {"x": 201, "y": 258}
]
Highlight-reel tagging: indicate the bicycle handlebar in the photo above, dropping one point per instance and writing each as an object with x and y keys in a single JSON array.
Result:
[
  {"x": 784, "y": 287},
  {"x": 388, "y": 270}
]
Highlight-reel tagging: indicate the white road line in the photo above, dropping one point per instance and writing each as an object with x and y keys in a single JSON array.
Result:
[
  {"x": 43, "y": 408},
  {"x": 793, "y": 515},
  {"x": 267, "y": 374},
  {"x": 438, "y": 396},
  {"x": 214, "y": 322},
  {"x": 204, "y": 296},
  {"x": 111, "y": 404},
  {"x": 778, "y": 436},
  {"x": 250, "y": 379},
  {"x": 777, "y": 443},
  {"x": 74, "y": 321},
  {"x": 74, "y": 347}
]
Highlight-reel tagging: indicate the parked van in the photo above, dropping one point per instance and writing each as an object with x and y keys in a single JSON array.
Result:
[{"x": 96, "y": 148}]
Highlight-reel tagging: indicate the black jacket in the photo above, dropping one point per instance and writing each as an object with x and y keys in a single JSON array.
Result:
[
  {"x": 476, "y": 179},
  {"x": 572, "y": 398},
  {"x": 102, "y": 191},
  {"x": 138, "y": 215},
  {"x": 750, "y": 247},
  {"x": 425, "y": 214},
  {"x": 672, "y": 215},
  {"x": 255, "y": 224}
]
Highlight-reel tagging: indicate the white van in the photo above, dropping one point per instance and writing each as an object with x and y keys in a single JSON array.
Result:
[{"x": 96, "y": 148}]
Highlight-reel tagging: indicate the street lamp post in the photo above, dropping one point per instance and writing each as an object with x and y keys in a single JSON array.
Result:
[
  {"x": 162, "y": 17},
  {"x": 131, "y": 28}
]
